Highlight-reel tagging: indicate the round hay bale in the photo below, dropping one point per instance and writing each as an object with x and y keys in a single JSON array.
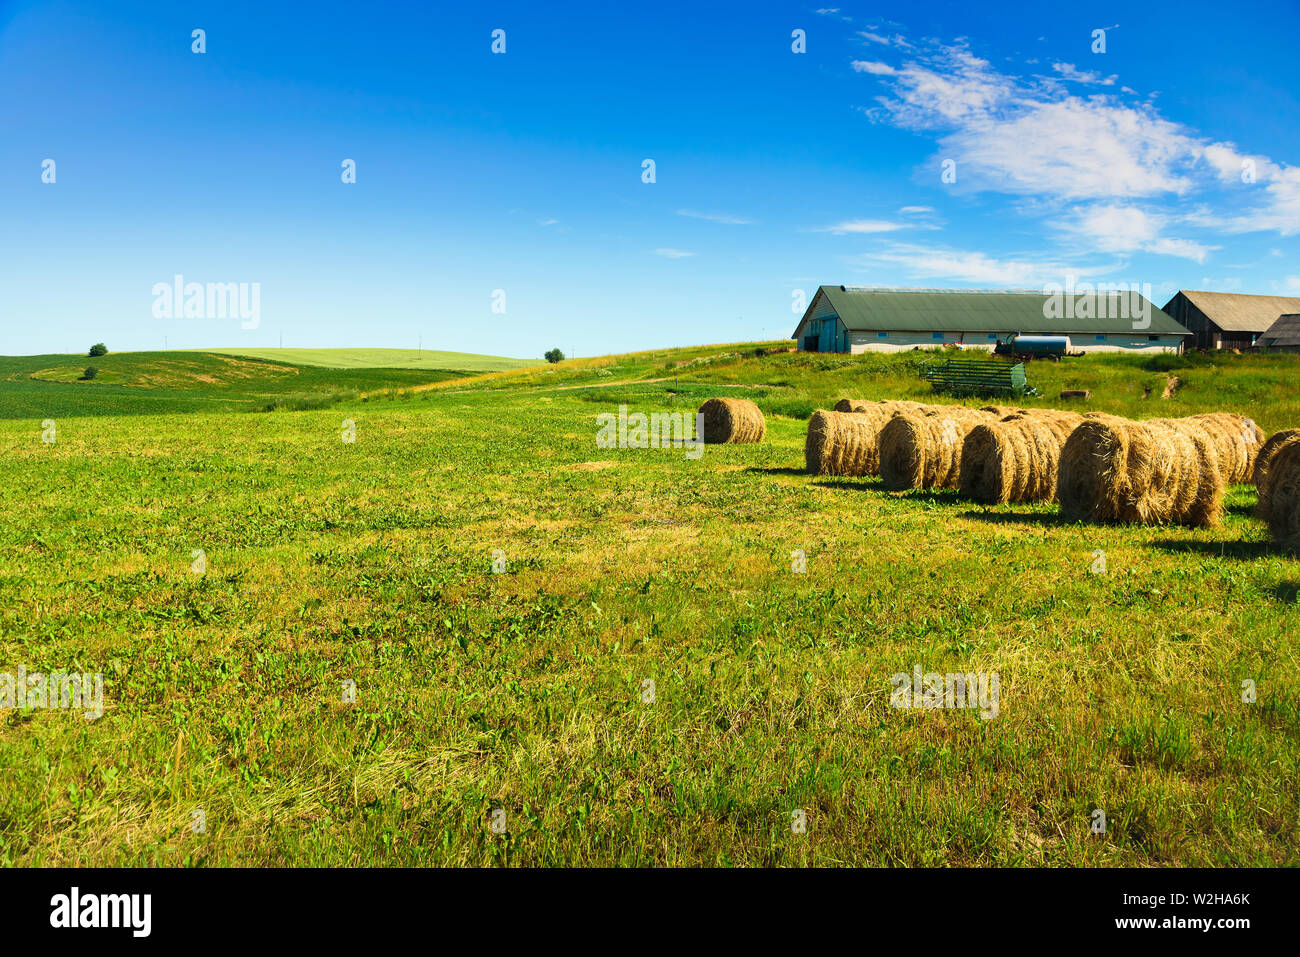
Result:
[
  {"x": 1269, "y": 449},
  {"x": 1237, "y": 440},
  {"x": 842, "y": 443},
  {"x": 923, "y": 450},
  {"x": 1284, "y": 495},
  {"x": 1264, "y": 465},
  {"x": 1015, "y": 459},
  {"x": 732, "y": 420},
  {"x": 1150, "y": 472}
]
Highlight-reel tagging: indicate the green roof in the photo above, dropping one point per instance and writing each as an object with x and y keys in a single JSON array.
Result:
[{"x": 986, "y": 310}]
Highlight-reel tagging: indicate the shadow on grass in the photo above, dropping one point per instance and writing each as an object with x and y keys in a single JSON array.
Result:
[
  {"x": 1246, "y": 510},
  {"x": 1018, "y": 518},
  {"x": 1287, "y": 592},
  {"x": 1237, "y": 550},
  {"x": 776, "y": 470}
]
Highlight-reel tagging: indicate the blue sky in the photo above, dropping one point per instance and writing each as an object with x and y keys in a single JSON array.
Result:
[{"x": 775, "y": 171}]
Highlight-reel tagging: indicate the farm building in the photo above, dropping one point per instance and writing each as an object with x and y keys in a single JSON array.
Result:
[
  {"x": 867, "y": 319},
  {"x": 1283, "y": 335},
  {"x": 1227, "y": 320}
]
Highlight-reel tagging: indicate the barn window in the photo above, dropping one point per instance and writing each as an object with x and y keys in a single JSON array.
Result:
[
  {"x": 1153, "y": 338},
  {"x": 882, "y": 335},
  {"x": 1101, "y": 338},
  {"x": 993, "y": 337},
  {"x": 937, "y": 336}
]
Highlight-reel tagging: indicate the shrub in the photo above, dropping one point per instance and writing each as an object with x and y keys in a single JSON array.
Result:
[
  {"x": 99, "y": 349},
  {"x": 89, "y": 374},
  {"x": 553, "y": 355}
]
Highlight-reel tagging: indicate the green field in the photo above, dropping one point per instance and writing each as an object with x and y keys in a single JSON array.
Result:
[
  {"x": 371, "y": 562},
  {"x": 151, "y": 383},
  {"x": 384, "y": 359}
]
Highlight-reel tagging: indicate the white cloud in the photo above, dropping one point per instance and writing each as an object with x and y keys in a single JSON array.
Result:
[
  {"x": 1070, "y": 72},
  {"x": 715, "y": 217},
  {"x": 1128, "y": 229},
  {"x": 1182, "y": 248},
  {"x": 870, "y": 66},
  {"x": 1032, "y": 138},
  {"x": 547, "y": 222},
  {"x": 955, "y": 265},
  {"x": 873, "y": 37},
  {"x": 858, "y": 226},
  {"x": 909, "y": 210},
  {"x": 669, "y": 253}
]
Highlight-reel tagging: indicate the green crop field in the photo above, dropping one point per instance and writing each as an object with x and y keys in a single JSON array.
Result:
[
  {"x": 471, "y": 636},
  {"x": 384, "y": 359}
]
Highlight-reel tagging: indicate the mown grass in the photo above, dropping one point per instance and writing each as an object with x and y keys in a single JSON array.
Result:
[{"x": 371, "y": 561}]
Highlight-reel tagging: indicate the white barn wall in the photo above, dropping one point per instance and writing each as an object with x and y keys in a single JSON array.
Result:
[{"x": 860, "y": 342}]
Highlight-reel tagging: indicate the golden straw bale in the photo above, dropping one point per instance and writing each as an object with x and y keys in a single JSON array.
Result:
[
  {"x": 732, "y": 420},
  {"x": 842, "y": 443},
  {"x": 923, "y": 450},
  {"x": 1264, "y": 465},
  {"x": 1015, "y": 459},
  {"x": 1237, "y": 439},
  {"x": 1150, "y": 472},
  {"x": 1284, "y": 495}
]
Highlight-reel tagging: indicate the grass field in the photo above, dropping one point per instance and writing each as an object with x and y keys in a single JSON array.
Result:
[
  {"x": 152, "y": 383},
  {"x": 384, "y": 359},
  {"x": 372, "y": 562}
]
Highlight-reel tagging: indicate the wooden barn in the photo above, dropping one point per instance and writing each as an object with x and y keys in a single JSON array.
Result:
[
  {"x": 1227, "y": 320},
  {"x": 869, "y": 319},
  {"x": 1283, "y": 335}
]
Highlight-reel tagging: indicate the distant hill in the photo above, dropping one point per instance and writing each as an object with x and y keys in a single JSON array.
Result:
[
  {"x": 384, "y": 359},
  {"x": 134, "y": 383}
]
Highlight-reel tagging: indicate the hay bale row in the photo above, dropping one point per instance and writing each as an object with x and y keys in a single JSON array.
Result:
[
  {"x": 1149, "y": 472},
  {"x": 1279, "y": 496},
  {"x": 1015, "y": 459},
  {"x": 1237, "y": 439},
  {"x": 846, "y": 441},
  {"x": 923, "y": 449},
  {"x": 732, "y": 420},
  {"x": 1262, "y": 463}
]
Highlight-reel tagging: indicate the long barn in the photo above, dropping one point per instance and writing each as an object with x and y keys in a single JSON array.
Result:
[{"x": 870, "y": 319}]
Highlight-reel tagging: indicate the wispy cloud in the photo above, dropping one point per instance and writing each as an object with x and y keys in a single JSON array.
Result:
[
  {"x": 1121, "y": 228},
  {"x": 1070, "y": 72},
  {"x": 669, "y": 253},
  {"x": 957, "y": 265},
  {"x": 871, "y": 66},
  {"x": 724, "y": 218},
  {"x": 859, "y": 226}
]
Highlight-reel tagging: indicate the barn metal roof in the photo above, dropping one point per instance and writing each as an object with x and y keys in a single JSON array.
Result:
[
  {"x": 1239, "y": 312},
  {"x": 980, "y": 310},
  {"x": 1284, "y": 332}
]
